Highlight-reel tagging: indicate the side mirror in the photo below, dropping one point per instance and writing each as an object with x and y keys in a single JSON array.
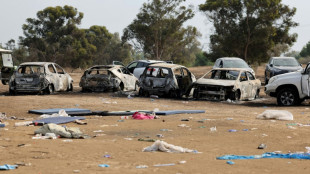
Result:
[{"x": 271, "y": 65}]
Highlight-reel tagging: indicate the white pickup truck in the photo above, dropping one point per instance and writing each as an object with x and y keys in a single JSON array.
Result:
[{"x": 290, "y": 88}]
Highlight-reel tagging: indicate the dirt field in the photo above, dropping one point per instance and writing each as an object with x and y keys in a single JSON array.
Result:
[{"x": 120, "y": 139}]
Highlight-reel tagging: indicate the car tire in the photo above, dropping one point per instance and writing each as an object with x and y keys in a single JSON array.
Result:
[
  {"x": 236, "y": 95},
  {"x": 49, "y": 89},
  {"x": 12, "y": 92},
  {"x": 137, "y": 86},
  {"x": 4, "y": 82},
  {"x": 70, "y": 87},
  {"x": 287, "y": 97},
  {"x": 257, "y": 94},
  {"x": 266, "y": 81}
]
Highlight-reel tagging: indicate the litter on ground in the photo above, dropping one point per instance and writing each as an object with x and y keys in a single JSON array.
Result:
[{"x": 276, "y": 114}]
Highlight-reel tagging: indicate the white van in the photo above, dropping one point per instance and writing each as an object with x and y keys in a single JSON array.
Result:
[{"x": 6, "y": 65}]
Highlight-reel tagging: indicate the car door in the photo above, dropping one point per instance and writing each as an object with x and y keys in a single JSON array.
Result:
[
  {"x": 305, "y": 81},
  {"x": 129, "y": 80},
  {"x": 61, "y": 79},
  {"x": 245, "y": 86},
  {"x": 253, "y": 86},
  {"x": 131, "y": 67}
]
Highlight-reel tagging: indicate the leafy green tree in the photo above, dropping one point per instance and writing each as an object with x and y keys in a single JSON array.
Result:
[
  {"x": 53, "y": 36},
  {"x": 305, "y": 52},
  {"x": 158, "y": 33},
  {"x": 248, "y": 28}
]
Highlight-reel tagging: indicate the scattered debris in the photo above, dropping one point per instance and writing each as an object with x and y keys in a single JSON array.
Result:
[
  {"x": 267, "y": 155},
  {"x": 230, "y": 162},
  {"x": 143, "y": 116},
  {"x": 8, "y": 167},
  {"x": 147, "y": 140},
  {"x": 162, "y": 165},
  {"x": 25, "y": 123},
  {"x": 213, "y": 129},
  {"x": 165, "y": 147},
  {"x": 276, "y": 114},
  {"x": 262, "y": 146},
  {"x": 142, "y": 167},
  {"x": 63, "y": 132},
  {"x": 232, "y": 130},
  {"x": 160, "y": 135},
  {"x": 104, "y": 165}
]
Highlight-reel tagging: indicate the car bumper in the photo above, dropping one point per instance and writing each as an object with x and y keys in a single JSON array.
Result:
[{"x": 270, "y": 89}]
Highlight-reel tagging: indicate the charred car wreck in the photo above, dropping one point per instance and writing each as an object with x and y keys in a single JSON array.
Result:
[
  {"x": 165, "y": 79},
  {"x": 108, "y": 77},
  {"x": 41, "y": 77},
  {"x": 227, "y": 83}
]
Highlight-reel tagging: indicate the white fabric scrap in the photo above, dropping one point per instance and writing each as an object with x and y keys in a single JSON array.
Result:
[
  {"x": 61, "y": 113},
  {"x": 165, "y": 147},
  {"x": 276, "y": 114}
]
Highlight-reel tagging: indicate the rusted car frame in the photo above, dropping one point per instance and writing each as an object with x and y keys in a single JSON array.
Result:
[
  {"x": 42, "y": 77},
  {"x": 101, "y": 78},
  {"x": 165, "y": 79},
  {"x": 227, "y": 83}
]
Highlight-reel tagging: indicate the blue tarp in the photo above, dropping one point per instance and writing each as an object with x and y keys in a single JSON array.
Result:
[
  {"x": 179, "y": 112},
  {"x": 8, "y": 167},
  {"x": 69, "y": 111},
  {"x": 267, "y": 155},
  {"x": 57, "y": 120}
]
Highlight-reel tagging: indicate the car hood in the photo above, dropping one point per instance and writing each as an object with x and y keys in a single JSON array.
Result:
[
  {"x": 291, "y": 75},
  {"x": 289, "y": 68},
  {"x": 203, "y": 81}
]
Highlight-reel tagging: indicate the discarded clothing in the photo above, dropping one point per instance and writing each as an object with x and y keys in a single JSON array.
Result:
[
  {"x": 267, "y": 155},
  {"x": 61, "y": 113},
  {"x": 276, "y": 114},
  {"x": 64, "y": 132},
  {"x": 143, "y": 116},
  {"x": 58, "y": 120},
  {"x": 165, "y": 147},
  {"x": 8, "y": 167}
]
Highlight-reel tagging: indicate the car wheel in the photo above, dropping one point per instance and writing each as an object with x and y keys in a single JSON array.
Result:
[
  {"x": 50, "y": 89},
  {"x": 287, "y": 97},
  {"x": 12, "y": 92},
  {"x": 257, "y": 94},
  {"x": 195, "y": 94},
  {"x": 266, "y": 81},
  {"x": 137, "y": 86},
  {"x": 4, "y": 82},
  {"x": 237, "y": 95},
  {"x": 70, "y": 87}
]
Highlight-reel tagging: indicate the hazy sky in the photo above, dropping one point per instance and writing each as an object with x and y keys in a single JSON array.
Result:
[{"x": 118, "y": 14}]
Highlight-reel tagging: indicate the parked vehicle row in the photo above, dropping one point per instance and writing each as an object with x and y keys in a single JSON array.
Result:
[{"x": 223, "y": 82}]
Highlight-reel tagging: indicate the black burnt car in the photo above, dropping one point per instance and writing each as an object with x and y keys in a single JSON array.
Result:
[
  {"x": 102, "y": 78},
  {"x": 281, "y": 65}
]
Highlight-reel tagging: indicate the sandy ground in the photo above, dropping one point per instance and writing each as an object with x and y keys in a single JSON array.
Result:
[{"x": 120, "y": 139}]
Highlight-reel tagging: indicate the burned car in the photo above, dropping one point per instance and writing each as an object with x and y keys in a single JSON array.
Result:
[
  {"x": 42, "y": 77},
  {"x": 165, "y": 79},
  {"x": 101, "y": 78},
  {"x": 227, "y": 83}
]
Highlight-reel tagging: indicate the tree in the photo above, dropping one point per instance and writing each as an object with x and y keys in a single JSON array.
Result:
[
  {"x": 54, "y": 35},
  {"x": 305, "y": 51},
  {"x": 158, "y": 31},
  {"x": 248, "y": 28}
]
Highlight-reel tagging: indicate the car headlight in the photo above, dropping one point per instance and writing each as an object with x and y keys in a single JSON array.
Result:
[{"x": 273, "y": 79}]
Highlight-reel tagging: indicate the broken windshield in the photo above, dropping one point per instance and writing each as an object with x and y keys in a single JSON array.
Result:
[
  {"x": 222, "y": 75},
  {"x": 31, "y": 69}
]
